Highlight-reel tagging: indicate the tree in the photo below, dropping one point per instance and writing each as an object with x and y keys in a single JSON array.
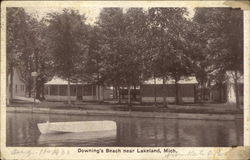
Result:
[
  {"x": 201, "y": 54},
  {"x": 111, "y": 23},
  {"x": 35, "y": 57},
  {"x": 165, "y": 24},
  {"x": 26, "y": 58},
  {"x": 27, "y": 43},
  {"x": 67, "y": 36},
  {"x": 42, "y": 59},
  {"x": 223, "y": 40},
  {"x": 123, "y": 33},
  {"x": 15, "y": 33},
  {"x": 179, "y": 66},
  {"x": 92, "y": 70},
  {"x": 136, "y": 34},
  {"x": 233, "y": 57}
]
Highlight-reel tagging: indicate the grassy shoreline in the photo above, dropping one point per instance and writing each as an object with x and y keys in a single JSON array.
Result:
[{"x": 205, "y": 112}]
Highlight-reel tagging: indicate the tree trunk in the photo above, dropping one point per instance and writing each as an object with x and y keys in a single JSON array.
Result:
[
  {"x": 155, "y": 102},
  {"x": 129, "y": 97},
  {"x": 176, "y": 92},
  {"x": 195, "y": 95},
  {"x": 119, "y": 95},
  {"x": 68, "y": 92},
  {"x": 102, "y": 86},
  {"x": 98, "y": 87},
  {"x": 42, "y": 87},
  {"x": 11, "y": 82},
  {"x": 7, "y": 90},
  {"x": 142, "y": 78},
  {"x": 30, "y": 87},
  {"x": 178, "y": 99},
  {"x": 76, "y": 92},
  {"x": 98, "y": 92},
  {"x": 29, "y": 92},
  {"x": 140, "y": 92},
  {"x": 113, "y": 91},
  {"x": 35, "y": 87},
  {"x": 164, "y": 93},
  {"x": 202, "y": 92},
  {"x": 92, "y": 92},
  {"x": 237, "y": 95},
  {"x": 38, "y": 89},
  {"x": 236, "y": 90},
  {"x": 134, "y": 93},
  {"x": 37, "y": 93},
  {"x": 220, "y": 92},
  {"x": 123, "y": 90},
  {"x": 116, "y": 93}
]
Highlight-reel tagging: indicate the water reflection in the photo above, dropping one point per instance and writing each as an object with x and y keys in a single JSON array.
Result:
[
  {"x": 22, "y": 131},
  {"x": 72, "y": 138}
]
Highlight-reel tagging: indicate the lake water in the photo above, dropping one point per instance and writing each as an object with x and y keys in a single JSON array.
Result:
[{"x": 131, "y": 132}]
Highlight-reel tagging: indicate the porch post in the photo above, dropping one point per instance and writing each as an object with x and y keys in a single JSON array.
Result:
[{"x": 57, "y": 90}]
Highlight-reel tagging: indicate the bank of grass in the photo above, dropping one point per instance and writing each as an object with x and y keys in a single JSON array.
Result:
[{"x": 112, "y": 106}]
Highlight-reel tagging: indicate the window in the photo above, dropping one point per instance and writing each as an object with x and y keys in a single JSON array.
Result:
[
  {"x": 63, "y": 90},
  {"x": 53, "y": 90},
  {"x": 87, "y": 90},
  {"x": 16, "y": 88}
]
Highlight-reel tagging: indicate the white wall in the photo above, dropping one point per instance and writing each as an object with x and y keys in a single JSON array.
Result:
[
  {"x": 104, "y": 93},
  {"x": 18, "y": 86},
  {"x": 65, "y": 98},
  {"x": 231, "y": 95},
  {"x": 169, "y": 99}
]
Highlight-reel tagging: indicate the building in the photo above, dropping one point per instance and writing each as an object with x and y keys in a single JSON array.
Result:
[
  {"x": 56, "y": 90},
  {"x": 187, "y": 90},
  {"x": 231, "y": 91},
  {"x": 18, "y": 89},
  {"x": 226, "y": 91}
]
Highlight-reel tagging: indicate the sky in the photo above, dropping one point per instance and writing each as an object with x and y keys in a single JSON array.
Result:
[{"x": 91, "y": 14}]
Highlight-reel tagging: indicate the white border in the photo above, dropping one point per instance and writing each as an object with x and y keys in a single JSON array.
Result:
[{"x": 184, "y": 152}]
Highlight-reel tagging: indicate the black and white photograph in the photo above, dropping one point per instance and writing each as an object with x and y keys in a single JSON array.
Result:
[{"x": 124, "y": 77}]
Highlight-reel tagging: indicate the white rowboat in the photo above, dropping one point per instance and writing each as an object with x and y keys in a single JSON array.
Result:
[
  {"x": 77, "y": 138},
  {"x": 76, "y": 127}
]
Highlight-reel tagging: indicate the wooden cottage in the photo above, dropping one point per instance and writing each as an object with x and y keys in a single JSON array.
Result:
[
  {"x": 18, "y": 88},
  {"x": 226, "y": 92},
  {"x": 56, "y": 90},
  {"x": 187, "y": 89}
]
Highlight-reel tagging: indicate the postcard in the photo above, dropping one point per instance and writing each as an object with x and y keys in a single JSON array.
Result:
[{"x": 125, "y": 80}]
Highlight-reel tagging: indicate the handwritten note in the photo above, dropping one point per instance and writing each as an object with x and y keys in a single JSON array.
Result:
[{"x": 40, "y": 152}]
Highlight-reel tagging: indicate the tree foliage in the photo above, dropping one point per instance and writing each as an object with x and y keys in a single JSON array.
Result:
[
  {"x": 127, "y": 46},
  {"x": 219, "y": 43},
  {"x": 26, "y": 49},
  {"x": 67, "y": 41}
]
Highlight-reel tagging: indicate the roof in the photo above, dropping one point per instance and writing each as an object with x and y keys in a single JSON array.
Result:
[
  {"x": 186, "y": 80},
  {"x": 58, "y": 81},
  {"x": 17, "y": 73}
]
